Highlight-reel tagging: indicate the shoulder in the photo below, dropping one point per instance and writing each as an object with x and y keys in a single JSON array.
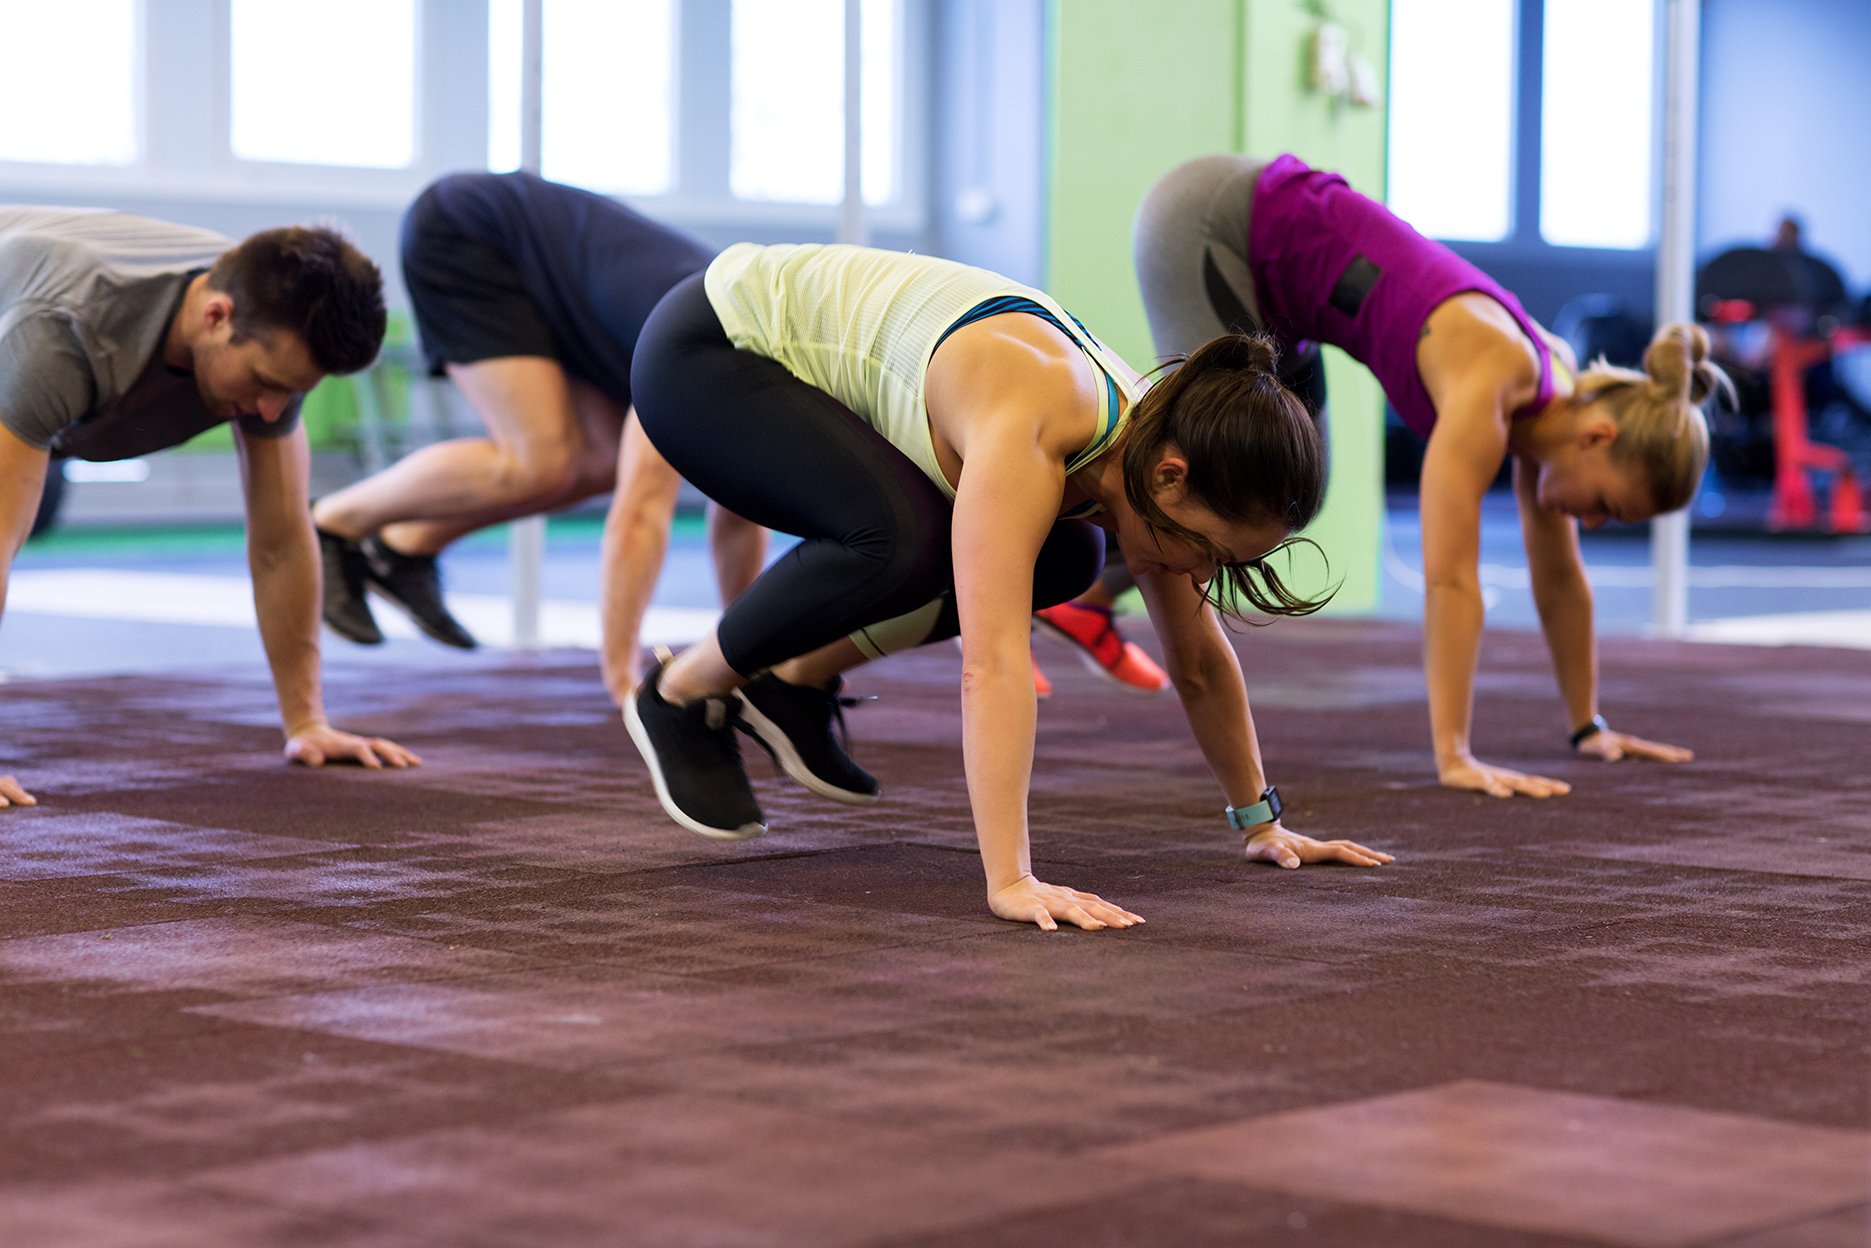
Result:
[
  {"x": 1473, "y": 346},
  {"x": 1017, "y": 372},
  {"x": 46, "y": 381}
]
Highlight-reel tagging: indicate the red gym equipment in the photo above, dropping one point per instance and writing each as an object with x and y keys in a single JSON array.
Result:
[{"x": 1798, "y": 297}]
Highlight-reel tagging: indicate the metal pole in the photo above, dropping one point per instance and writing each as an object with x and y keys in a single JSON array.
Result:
[
  {"x": 853, "y": 220},
  {"x": 1676, "y": 253},
  {"x": 526, "y": 537}
]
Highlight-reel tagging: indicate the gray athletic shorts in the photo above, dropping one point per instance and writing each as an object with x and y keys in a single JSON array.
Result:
[{"x": 1190, "y": 245}]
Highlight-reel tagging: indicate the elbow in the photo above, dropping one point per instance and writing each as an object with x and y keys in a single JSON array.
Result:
[
  {"x": 983, "y": 674},
  {"x": 1197, "y": 678},
  {"x": 1463, "y": 585}
]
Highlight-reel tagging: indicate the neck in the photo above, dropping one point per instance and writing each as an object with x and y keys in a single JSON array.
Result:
[
  {"x": 178, "y": 346},
  {"x": 1535, "y": 437},
  {"x": 1101, "y": 481}
]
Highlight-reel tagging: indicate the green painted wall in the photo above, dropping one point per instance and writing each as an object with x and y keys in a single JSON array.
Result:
[{"x": 1138, "y": 89}]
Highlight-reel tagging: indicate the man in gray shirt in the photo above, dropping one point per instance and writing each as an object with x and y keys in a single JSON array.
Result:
[{"x": 120, "y": 335}]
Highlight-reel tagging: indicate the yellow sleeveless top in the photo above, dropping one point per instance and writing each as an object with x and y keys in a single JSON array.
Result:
[{"x": 861, "y": 324}]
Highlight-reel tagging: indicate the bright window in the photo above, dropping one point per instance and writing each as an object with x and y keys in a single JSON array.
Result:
[
  {"x": 69, "y": 81},
  {"x": 1595, "y": 123},
  {"x": 608, "y": 95},
  {"x": 787, "y": 122},
  {"x": 1451, "y": 115},
  {"x": 329, "y": 85}
]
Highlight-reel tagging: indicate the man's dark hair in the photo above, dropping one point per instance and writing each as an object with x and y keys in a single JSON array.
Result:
[{"x": 309, "y": 280}]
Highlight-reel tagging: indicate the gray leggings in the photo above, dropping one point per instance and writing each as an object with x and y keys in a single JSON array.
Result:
[{"x": 1190, "y": 245}]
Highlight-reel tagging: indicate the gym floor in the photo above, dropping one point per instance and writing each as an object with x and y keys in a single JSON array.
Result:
[
  {"x": 84, "y": 602},
  {"x": 500, "y": 1000}
]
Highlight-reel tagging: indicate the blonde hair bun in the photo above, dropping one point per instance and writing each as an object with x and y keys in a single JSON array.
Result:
[{"x": 1679, "y": 366}]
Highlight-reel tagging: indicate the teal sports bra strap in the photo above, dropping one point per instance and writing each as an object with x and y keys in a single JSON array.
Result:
[{"x": 1113, "y": 401}]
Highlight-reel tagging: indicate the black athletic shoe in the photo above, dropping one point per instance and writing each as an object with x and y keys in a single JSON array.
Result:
[
  {"x": 413, "y": 584},
  {"x": 695, "y": 762},
  {"x": 345, "y": 571},
  {"x": 794, "y": 724}
]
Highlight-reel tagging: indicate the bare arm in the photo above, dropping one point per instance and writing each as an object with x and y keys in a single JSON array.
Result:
[
  {"x": 1207, "y": 676},
  {"x": 22, "y": 480},
  {"x": 1006, "y": 503},
  {"x": 636, "y": 539},
  {"x": 1564, "y": 598},
  {"x": 1561, "y": 594},
  {"x": 1465, "y": 451},
  {"x": 282, "y": 553}
]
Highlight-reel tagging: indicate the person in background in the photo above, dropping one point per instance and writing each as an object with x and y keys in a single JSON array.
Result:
[
  {"x": 121, "y": 335},
  {"x": 1231, "y": 242},
  {"x": 529, "y": 296}
]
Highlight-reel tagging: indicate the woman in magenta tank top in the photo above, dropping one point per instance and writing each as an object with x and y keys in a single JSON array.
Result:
[{"x": 1231, "y": 242}]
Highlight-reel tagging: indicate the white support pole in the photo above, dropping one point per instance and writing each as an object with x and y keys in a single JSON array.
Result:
[
  {"x": 853, "y": 218},
  {"x": 1676, "y": 256},
  {"x": 526, "y": 537}
]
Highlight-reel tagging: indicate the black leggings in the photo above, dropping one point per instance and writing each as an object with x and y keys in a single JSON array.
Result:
[{"x": 784, "y": 454}]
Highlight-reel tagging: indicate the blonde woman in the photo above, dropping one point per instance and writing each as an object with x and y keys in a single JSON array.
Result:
[{"x": 1233, "y": 243}]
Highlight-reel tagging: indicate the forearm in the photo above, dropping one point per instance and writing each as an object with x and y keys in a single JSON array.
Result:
[
  {"x": 285, "y": 593},
  {"x": 998, "y": 718},
  {"x": 635, "y": 544},
  {"x": 1215, "y": 703},
  {"x": 1452, "y": 620},
  {"x": 1565, "y": 608}
]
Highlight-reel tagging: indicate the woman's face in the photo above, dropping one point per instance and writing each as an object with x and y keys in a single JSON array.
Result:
[
  {"x": 1148, "y": 548},
  {"x": 1584, "y": 481}
]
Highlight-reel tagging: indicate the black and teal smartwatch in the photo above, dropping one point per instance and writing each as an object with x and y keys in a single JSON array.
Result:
[
  {"x": 1587, "y": 730},
  {"x": 1266, "y": 810}
]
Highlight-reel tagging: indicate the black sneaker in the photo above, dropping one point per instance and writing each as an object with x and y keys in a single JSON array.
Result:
[
  {"x": 794, "y": 724},
  {"x": 345, "y": 571},
  {"x": 413, "y": 584},
  {"x": 695, "y": 761}
]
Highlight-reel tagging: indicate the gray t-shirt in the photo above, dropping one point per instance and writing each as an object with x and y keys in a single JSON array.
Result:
[{"x": 86, "y": 299}]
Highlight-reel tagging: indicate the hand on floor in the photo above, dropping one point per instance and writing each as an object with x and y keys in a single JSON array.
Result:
[
  {"x": 11, "y": 794},
  {"x": 1612, "y": 746},
  {"x": 1290, "y": 849},
  {"x": 315, "y": 747},
  {"x": 1027, "y": 900},
  {"x": 1469, "y": 772}
]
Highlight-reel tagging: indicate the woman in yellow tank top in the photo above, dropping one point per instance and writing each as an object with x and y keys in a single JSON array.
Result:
[{"x": 949, "y": 445}]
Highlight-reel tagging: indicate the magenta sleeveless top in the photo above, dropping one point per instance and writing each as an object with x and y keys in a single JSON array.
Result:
[{"x": 1332, "y": 266}]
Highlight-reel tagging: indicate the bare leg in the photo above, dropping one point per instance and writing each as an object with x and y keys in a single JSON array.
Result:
[
  {"x": 822, "y": 668},
  {"x": 528, "y": 460},
  {"x": 594, "y": 471},
  {"x": 698, "y": 672}
]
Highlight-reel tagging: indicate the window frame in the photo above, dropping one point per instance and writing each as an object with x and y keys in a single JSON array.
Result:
[
  {"x": 32, "y": 172},
  {"x": 185, "y": 145},
  {"x": 1526, "y": 149}
]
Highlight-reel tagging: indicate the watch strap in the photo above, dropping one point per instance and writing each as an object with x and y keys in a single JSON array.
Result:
[{"x": 1266, "y": 810}]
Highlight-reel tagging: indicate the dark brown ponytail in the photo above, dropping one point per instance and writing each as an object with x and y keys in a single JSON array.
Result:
[{"x": 1254, "y": 457}]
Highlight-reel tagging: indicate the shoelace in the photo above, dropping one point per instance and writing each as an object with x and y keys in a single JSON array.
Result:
[{"x": 839, "y": 701}]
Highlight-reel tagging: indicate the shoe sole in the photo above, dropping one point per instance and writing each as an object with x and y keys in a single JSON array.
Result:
[
  {"x": 780, "y": 748},
  {"x": 1090, "y": 660},
  {"x": 634, "y": 723},
  {"x": 422, "y": 626}
]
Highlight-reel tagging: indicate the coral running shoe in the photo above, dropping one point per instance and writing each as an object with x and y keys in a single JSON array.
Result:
[{"x": 1092, "y": 633}]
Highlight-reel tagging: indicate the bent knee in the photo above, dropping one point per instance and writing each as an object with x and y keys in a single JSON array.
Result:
[{"x": 537, "y": 474}]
